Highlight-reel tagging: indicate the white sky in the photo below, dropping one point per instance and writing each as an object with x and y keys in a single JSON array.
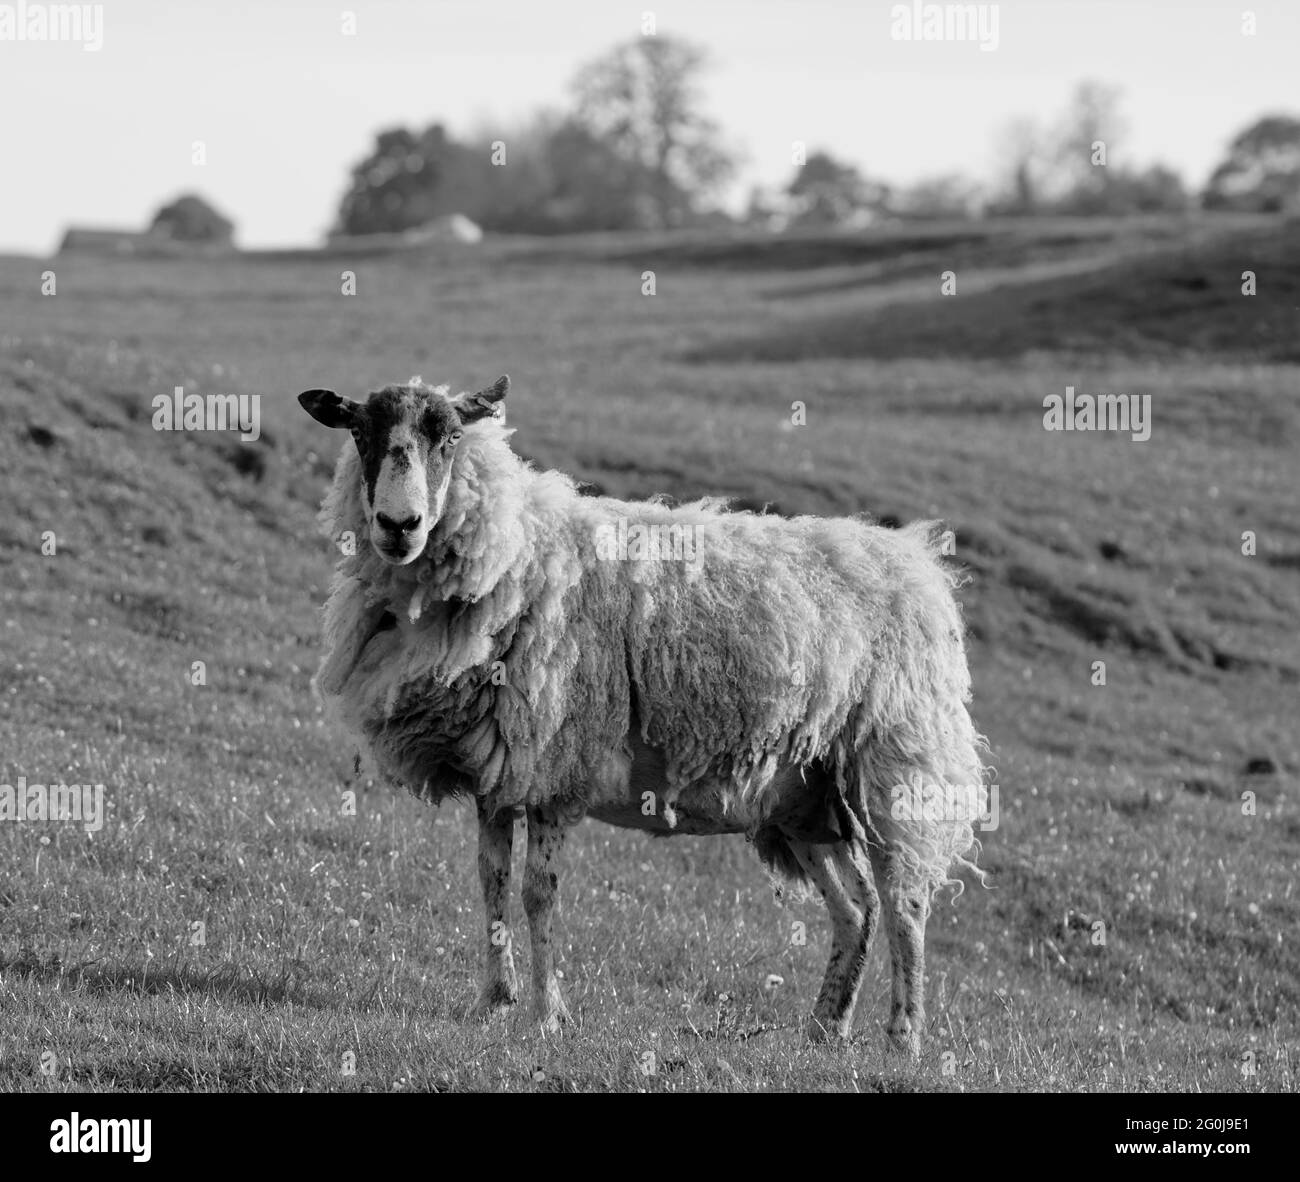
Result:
[{"x": 285, "y": 103}]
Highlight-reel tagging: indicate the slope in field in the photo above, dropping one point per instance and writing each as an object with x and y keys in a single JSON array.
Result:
[{"x": 1186, "y": 302}]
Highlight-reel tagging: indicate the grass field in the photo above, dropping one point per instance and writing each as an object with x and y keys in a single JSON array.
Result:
[{"x": 342, "y": 952}]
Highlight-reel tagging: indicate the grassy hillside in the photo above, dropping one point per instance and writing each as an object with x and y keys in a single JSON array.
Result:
[{"x": 327, "y": 935}]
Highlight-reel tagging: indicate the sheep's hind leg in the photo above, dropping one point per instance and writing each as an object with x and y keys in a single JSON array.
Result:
[
  {"x": 545, "y": 838},
  {"x": 500, "y": 984},
  {"x": 841, "y": 873},
  {"x": 906, "y": 906}
]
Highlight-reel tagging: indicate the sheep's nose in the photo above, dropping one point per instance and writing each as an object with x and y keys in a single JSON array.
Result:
[{"x": 398, "y": 527}]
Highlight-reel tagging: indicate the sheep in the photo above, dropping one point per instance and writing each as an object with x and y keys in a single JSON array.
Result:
[{"x": 684, "y": 670}]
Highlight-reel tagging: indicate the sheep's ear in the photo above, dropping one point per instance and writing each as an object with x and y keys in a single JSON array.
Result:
[
  {"x": 471, "y": 407},
  {"x": 333, "y": 410}
]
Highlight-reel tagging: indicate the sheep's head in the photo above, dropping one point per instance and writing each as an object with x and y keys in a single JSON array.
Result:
[{"x": 406, "y": 437}]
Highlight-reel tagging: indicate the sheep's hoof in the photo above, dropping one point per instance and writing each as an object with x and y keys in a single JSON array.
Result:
[
  {"x": 495, "y": 999},
  {"x": 555, "y": 1017},
  {"x": 906, "y": 1041},
  {"x": 827, "y": 1030}
]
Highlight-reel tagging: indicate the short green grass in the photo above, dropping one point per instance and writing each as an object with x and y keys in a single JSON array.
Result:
[{"x": 341, "y": 952}]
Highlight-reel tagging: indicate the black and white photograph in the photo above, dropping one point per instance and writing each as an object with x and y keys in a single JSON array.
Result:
[{"x": 572, "y": 547}]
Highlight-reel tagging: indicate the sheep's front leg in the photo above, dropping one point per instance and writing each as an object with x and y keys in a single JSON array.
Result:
[
  {"x": 545, "y": 838},
  {"x": 500, "y": 985}
]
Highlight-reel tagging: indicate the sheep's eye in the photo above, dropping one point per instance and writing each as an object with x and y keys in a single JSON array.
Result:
[{"x": 454, "y": 437}]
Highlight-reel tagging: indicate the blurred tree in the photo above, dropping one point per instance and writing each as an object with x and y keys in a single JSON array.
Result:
[
  {"x": 830, "y": 192},
  {"x": 948, "y": 196},
  {"x": 642, "y": 100},
  {"x": 1156, "y": 189},
  {"x": 1089, "y": 132},
  {"x": 549, "y": 175},
  {"x": 557, "y": 177},
  {"x": 1064, "y": 172},
  {"x": 764, "y": 209},
  {"x": 408, "y": 180},
  {"x": 1262, "y": 170},
  {"x": 593, "y": 187},
  {"x": 511, "y": 175},
  {"x": 191, "y": 219},
  {"x": 1019, "y": 188}
]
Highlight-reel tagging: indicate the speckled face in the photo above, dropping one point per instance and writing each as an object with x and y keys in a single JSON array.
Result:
[{"x": 406, "y": 437}]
